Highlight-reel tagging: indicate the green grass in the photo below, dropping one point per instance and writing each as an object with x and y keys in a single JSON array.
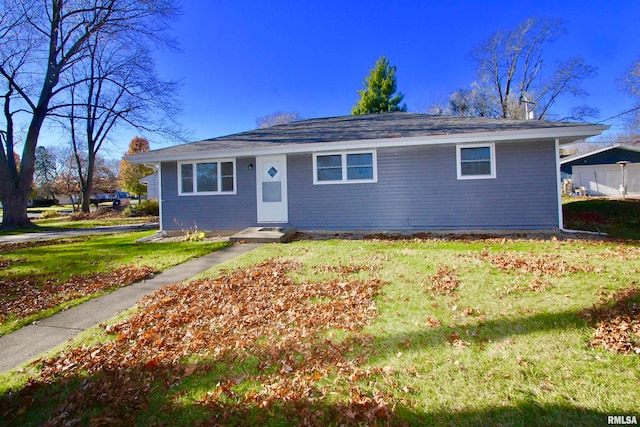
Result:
[
  {"x": 55, "y": 208},
  {"x": 64, "y": 223},
  {"x": 527, "y": 360},
  {"x": 56, "y": 223},
  {"x": 522, "y": 357},
  {"x": 58, "y": 260},
  {"x": 617, "y": 217}
]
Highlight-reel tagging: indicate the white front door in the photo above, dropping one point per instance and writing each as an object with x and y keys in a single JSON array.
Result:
[{"x": 271, "y": 185}]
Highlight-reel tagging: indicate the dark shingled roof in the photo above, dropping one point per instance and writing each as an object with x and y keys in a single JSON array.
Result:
[{"x": 353, "y": 128}]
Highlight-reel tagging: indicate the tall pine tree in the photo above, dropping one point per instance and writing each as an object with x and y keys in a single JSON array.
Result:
[{"x": 379, "y": 93}]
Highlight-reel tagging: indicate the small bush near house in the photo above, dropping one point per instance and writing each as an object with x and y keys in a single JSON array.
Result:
[
  {"x": 50, "y": 214},
  {"x": 144, "y": 208}
]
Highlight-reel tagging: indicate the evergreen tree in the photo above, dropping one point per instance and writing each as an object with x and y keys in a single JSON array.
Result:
[
  {"x": 379, "y": 93},
  {"x": 131, "y": 173}
]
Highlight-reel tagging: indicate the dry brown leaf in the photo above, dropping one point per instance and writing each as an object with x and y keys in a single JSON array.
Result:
[
  {"x": 616, "y": 320},
  {"x": 444, "y": 282},
  {"x": 548, "y": 265},
  {"x": 259, "y": 312},
  {"x": 24, "y": 297}
]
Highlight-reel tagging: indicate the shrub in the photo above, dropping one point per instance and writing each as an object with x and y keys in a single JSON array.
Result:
[
  {"x": 144, "y": 208},
  {"x": 44, "y": 203},
  {"x": 50, "y": 214}
]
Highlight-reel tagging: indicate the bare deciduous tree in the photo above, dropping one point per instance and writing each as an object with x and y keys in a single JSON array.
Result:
[
  {"x": 510, "y": 78},
  {"x": 41, "y": 43},
  {"x": 66, "y": 177},
  {"x": 630, "y": 83},
  {"x": 114, "y": 86}
]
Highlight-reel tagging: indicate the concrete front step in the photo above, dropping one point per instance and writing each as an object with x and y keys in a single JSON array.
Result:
[{"x": 263, "y": 234}]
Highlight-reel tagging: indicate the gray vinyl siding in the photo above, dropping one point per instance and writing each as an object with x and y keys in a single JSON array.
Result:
[
  {"x": 209, "y": 212},
  {"x": 418, "y": 189}
]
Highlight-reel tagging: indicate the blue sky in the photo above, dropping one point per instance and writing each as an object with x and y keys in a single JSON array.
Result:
[{"x": 243, "y": 60}]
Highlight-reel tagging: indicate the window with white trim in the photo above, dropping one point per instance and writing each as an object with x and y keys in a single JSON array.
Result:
[
  {"x": 207, "y": 177},
  {"x": 345, "y": 167},
  {"x": 476, "y": 161}
]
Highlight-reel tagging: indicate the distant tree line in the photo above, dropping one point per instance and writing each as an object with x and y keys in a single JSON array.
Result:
[{"x": 56, "y": 173}]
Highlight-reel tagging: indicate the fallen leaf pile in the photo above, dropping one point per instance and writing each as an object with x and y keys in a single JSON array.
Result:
[
  {"x": 622, "y": 253},
  {"x": 23, "y": 297},
  {"x": 548, "y": 265},
  {"x": 257, "y": 315},
  {"x": 535, "y": 285},
  {"x": 444, "y": 282},
  {"x": 617, "y": 321},
  {"x": 100, "y": 213}
]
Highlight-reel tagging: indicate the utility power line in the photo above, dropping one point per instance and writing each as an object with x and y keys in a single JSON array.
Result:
[{"x": 621, "y": 114}]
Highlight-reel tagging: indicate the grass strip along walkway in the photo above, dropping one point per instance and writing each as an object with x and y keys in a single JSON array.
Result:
[
  {"x": 20, "y": 346},
  {"x": 41, "y": 278}
]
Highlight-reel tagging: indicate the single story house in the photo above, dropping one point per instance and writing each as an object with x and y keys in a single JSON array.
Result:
[
  {"x": 601, "y": 173},
  {"x": 387, "y": 172}
]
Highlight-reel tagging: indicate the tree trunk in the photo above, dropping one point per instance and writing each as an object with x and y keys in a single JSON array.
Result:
[
  {"x": 15, "y": 190},
  {"x": 86, "y": 198},
  {"x": 14, "y": 210},
  {"x": 87, "y": 188}
]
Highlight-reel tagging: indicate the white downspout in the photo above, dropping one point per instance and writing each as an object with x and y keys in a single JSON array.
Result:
[
  {"x": 559, "y": 185},
  {"x": 559, "y": 191},
  {"x": 160, "y": 197}
]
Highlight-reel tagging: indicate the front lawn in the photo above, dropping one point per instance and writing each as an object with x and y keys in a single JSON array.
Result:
[
  {"x": 375, "y": 332},
  {"x": 38, "y": 279}
]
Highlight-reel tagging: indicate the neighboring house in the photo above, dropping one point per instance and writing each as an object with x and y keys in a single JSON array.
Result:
[
  {"x": 390, "y": 171},
  {"x": 153, "y": 189},
  {"x": 65, "y": 199},
  {"x": 601, "y": 174}
]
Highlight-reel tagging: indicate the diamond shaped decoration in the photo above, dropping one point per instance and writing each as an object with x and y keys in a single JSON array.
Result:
[{"x": 272, "y": 172}]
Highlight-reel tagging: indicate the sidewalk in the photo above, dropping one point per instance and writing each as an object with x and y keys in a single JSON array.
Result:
[{"x": 29, "y": 342}]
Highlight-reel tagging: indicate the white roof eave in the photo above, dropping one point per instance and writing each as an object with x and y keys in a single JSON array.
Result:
[
  {"x": 575, "y": 157},
  {"x": 569, "y": 134}
]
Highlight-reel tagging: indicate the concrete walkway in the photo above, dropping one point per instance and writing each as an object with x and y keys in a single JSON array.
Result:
[{"x": 29, "y": 342}]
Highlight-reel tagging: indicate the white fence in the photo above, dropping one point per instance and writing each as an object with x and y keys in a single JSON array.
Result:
[{"x": 606, "y": 180}]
